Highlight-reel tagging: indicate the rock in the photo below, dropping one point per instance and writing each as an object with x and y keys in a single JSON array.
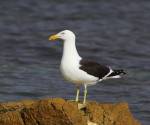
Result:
[
  {"x": 58, "y": 111},
  {"x": 111, "y": 114}
]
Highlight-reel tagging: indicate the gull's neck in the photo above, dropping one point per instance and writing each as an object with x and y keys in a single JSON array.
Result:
[{"x": 70, "y": 53}]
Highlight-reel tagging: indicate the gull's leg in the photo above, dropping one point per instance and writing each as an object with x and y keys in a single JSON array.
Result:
[
  {"x": 85, "y": 93},
  {"x": 77, "y": 95}
]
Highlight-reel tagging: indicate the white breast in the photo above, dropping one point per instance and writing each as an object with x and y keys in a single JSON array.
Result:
[{"x": 72, "y": 73}]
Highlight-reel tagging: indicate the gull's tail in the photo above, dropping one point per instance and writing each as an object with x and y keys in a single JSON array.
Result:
[{"x": 116, "y": 73}]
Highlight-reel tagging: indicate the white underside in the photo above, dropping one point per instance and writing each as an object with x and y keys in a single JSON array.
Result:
[{"x": 75, "y": 75}]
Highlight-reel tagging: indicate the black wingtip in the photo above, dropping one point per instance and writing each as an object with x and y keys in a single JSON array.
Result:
[
  {"x": 122, "y": 72},
  {"x": 117, "y": 72}
]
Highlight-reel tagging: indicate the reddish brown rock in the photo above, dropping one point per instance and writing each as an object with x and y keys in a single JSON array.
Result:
[
  {"x": 111, "y": 114},
  {"x": 60, "y": 112}
]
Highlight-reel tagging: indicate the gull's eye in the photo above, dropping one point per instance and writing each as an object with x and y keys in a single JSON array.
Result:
[{"x": 62, "y": 33}]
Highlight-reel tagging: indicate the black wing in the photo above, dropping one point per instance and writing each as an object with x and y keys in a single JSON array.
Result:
[{"x": 94, "y": 68}]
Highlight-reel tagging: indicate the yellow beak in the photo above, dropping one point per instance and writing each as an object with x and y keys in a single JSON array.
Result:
[{"x": 53, "y": 37}]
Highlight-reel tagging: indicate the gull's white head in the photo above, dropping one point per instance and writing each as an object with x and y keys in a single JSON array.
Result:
[{"x": 63, "y": 35}]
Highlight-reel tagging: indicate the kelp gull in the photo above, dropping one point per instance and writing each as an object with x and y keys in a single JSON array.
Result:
[{"x": 78, "y": 70}]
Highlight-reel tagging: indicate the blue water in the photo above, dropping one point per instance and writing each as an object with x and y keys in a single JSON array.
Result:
[{"x": 115, "y": 33}]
